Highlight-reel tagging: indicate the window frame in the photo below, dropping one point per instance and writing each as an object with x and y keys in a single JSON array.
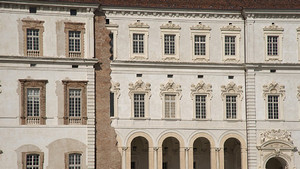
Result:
[
  {"x": 298, "y": 39},
  {"x": 233, "y": 31},
  {"x": 140, "y": 87},
  {"x": 170, "y": 88},
  {"x": 28, "y": 24},
  {"x": 202, "y": 89},
  {"x": 139, "y": 28},
  {"x": 115, "y": 90},
  {"x": 113, "y": 28},
  {"x": 273, "y": 30},
  {"x": 24, "y": 158},
  {"x": 170, "y": 29},
  {"x": 82, "y": 85},
  {"x": 201, "y": 30},
  {"x": 67, "y": 158},
  {"x": 25, "y": 85},
  {"x": 274, "y": 89},
  {"x": 232, "y": 89},
  {"x": 76, "y": 27}
]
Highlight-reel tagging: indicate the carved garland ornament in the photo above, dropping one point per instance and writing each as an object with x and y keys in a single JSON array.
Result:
[
  {"x": 298, "y": 94},
  {"x": 139, "y": 24},
  {"x": 170, "y": 87},
  {"x": 201, "y": 88},
  {"x": 200, "y": 27},
  {"x": 230, "y": 27},
  {"x": 0, "y": 87},
  {"x": 274, "y": 88},
  {"x": 170, "y": 25},
  {"x": 276, "y": 135},
  {"x": 231, "y": 88},
  {"x": 273, "y": 27}
]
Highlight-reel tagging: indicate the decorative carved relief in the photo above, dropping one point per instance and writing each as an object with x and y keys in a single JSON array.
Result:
[
  {"x": 230, "y": 27},
  {"x": 273, "y": 27},
  {"x": 170, "y": 25},
  {"x": 232, "y": 88},
  {"x": 201, "y": 87},
  {"x": 298, "y": 94},
  {"x": 139, "y": 24},
  {"x": 276, "y": 135},
  {"x": 274, "y": 88},
  {"x": 170, "y": 87},
  {"x": 115, "y": 88},
  {"x": 200, "y": 27},
  {"x": 139, "y": 86},
  {"x": 0, "y": 87}
]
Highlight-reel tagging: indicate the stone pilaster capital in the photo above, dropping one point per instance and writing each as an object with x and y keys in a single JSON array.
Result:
[
  {"x": 155, "y": 148},
  {"x": 124, "y": 148},
  {"x": 187, "y": 148},
  {"x": 218, "y": 149}
]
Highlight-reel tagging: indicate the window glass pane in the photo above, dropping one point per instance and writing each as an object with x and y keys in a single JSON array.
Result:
[
  {"x": 169, "y": 45},
  {"x": 33, "y": 102},
  {"x": 32, "y": 161},
  {"x": 273, "y": 104},
  {"x": 74, "y": 161},
  {"x": 32, "y": 39},
  {"x": 229, "y": 45},
  {"x": 75, "y": 102},
  {"x": 200, "y": 101},
  {"x": 231, "y": 107},
  {"x": 139, "y": 105},
  {"x": 170, "y": 106},
  {"x": 138, "y": 43},
  {"x": 74, "y": 41}
]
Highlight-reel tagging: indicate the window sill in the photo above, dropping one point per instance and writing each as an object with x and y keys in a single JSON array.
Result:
[
  {"x": 172, "y": 119},
  {"x": 198, "y": 119},
  {"x": 275, "y": 120},
  {"x": 140, "y": 118},
  {"x": 233, "y": 120},
  {"x": 117, "y": 118}
]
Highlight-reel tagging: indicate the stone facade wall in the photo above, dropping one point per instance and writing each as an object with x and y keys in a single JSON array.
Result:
[{"x": 107, "y": 154}]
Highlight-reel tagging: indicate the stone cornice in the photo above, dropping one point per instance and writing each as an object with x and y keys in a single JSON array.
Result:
[
  {"x": 175, "y": 13},
  {"x": 256, "y": 14},
  {"x": 48, "y": 6},
  {"x": 47, "y": 60}
]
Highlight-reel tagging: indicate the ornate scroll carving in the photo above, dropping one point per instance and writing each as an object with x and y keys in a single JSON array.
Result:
[
  {"x": 201, "y": 87},
  {"x": 200, "y": 27},
  {"x": 230, "y": 27},
  {"x": 170, "y": 25},
  {"x": 139, "y": 24},
  {"x": 273, "y": 88},
  {"x": 139, "y": 86},
  {"x": 273, "y": 27},
  {"x": 232, "y": 88},
  {"x": 170, "y": 87}
]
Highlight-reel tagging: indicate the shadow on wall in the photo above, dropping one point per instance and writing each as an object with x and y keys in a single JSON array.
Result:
[{"x": 59, "y": 149}]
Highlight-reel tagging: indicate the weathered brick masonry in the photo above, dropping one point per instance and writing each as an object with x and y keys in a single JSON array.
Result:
[{"x": 107, "y": 154}]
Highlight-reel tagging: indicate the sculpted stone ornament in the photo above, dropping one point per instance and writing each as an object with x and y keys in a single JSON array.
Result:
[
  {"x": 139, "y": 24},
  {"x": 139, "y": 86},
  {"x": 201, "y": 87},
  {"x": 170, "y": 25},
  {"x": 232, "y": 88},
  {"x": 230, "y": 27},
  {"x": 201, "y": 27},
  {"x": 0, "y": 87},
  {"x": 170, "y": 87},
  {"x": 276, "y": 135},
  {"x": 273, "y": 88},
  {"x": 273, "y": 27}
]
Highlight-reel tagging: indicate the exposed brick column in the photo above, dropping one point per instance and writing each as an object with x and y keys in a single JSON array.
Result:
[{"x": 107, "y": 154}]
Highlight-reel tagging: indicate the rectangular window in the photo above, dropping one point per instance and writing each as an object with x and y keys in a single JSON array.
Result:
[
  {"x": 273, "y": 104},
  {"x": 231, "y": 107},
  {"x": 74, "y": 103},
  {"x": 170, "y": 106},
  {"x": 111, "y": 43},
  {"x": 74, "y": 161},
  {"x": 138, "y": 43},
  {"x": 32, "y": 39},
  {"x": 200, "y": 45},
  {"x": 112, "y": 104},
  {"x": 32, "y": 161},
  {"x": 165, "y": 165},
  {"x": 33, "y": 102},
  {"x": 200, "y": 101},
  {"x": 169, "y": 41},
  {"x": 133, "y": 165},
  {"x": 139, "y": 105},
  {"x": 74, "y": 43},
  {"x": 230, "y": 45},
  {"x": 272, "y": 45}
]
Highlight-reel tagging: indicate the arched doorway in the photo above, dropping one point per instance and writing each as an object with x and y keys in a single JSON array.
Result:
[
  {"x": 232, "y": 154},
  {"x": 201, "y": 153},
  {"x": 139, "y": 153},
  {"x": 170, "y": 150},
  {"x": 276, "y": 163}
]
